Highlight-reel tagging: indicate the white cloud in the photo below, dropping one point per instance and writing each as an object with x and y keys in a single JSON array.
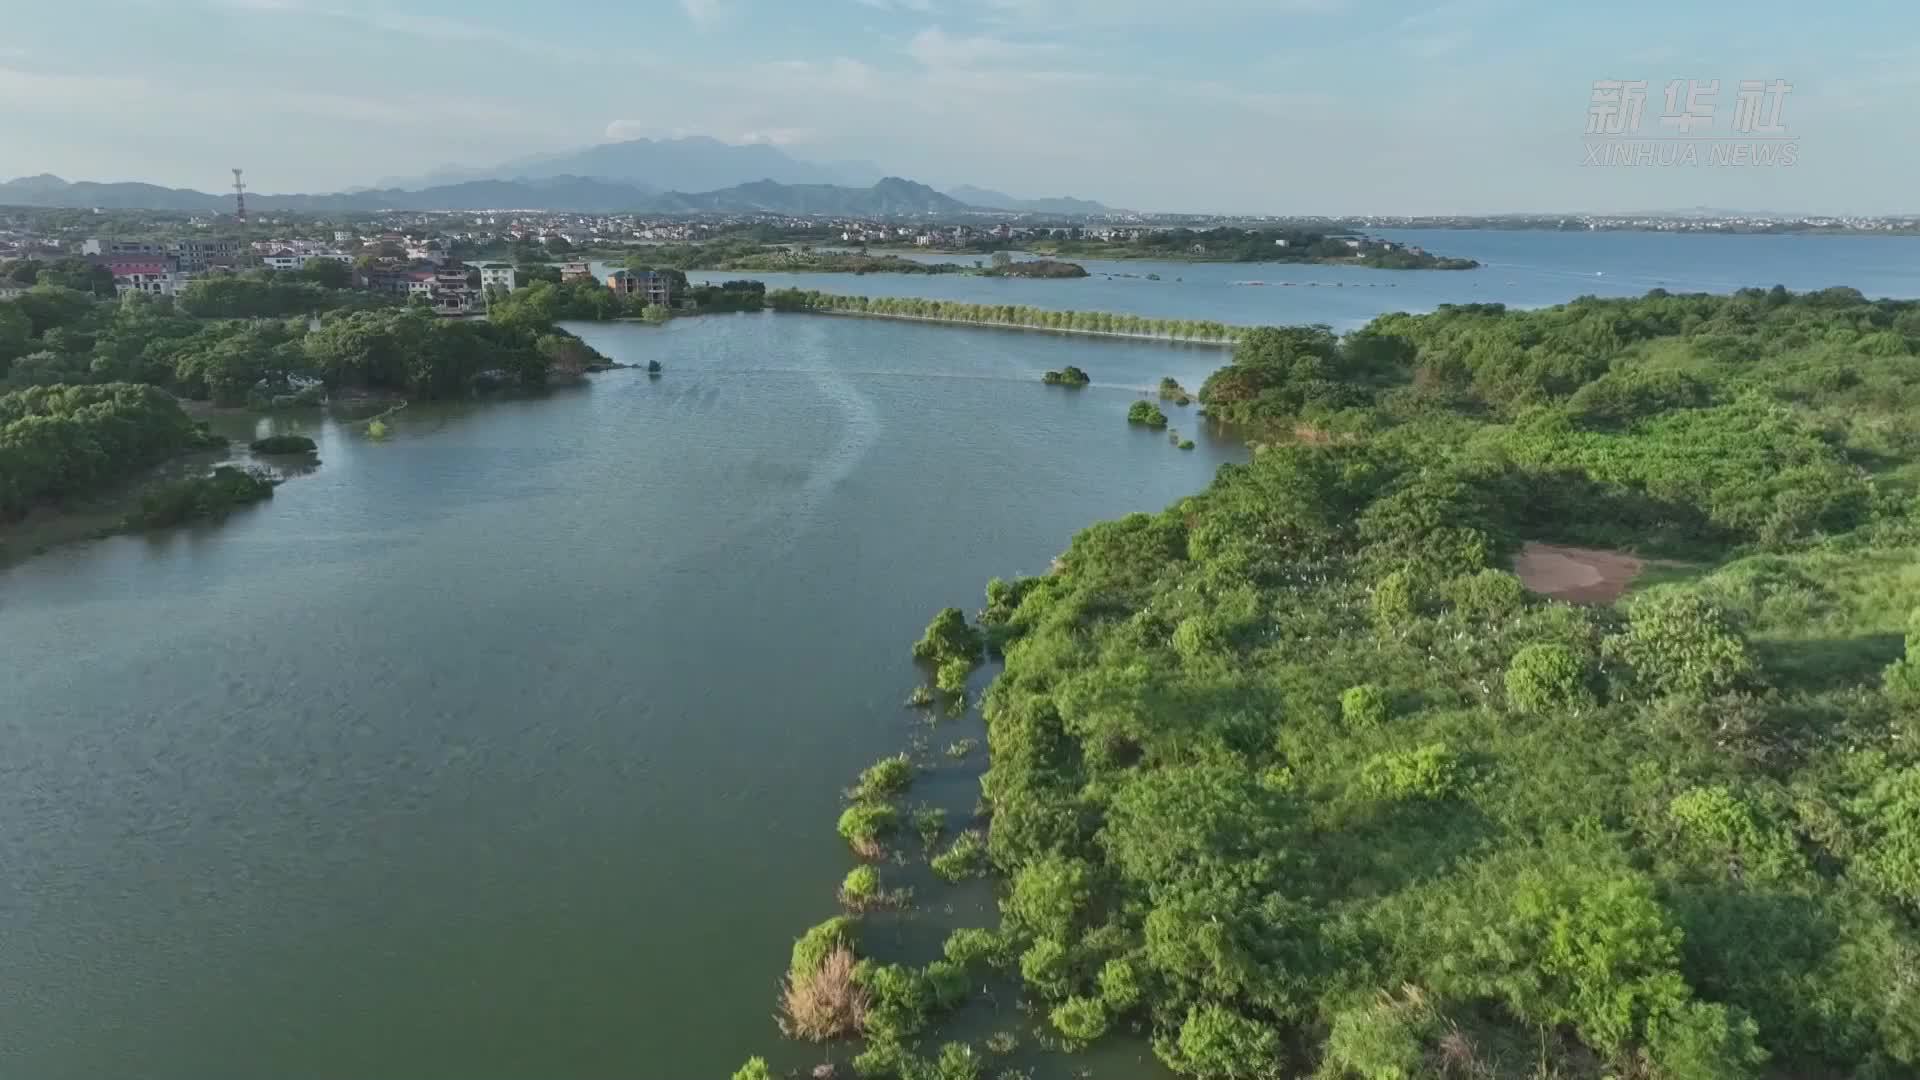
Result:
[
  {"x": 924, "y": 7},
  {"x": 1076, "y": 14},
  {"x": 706, "y": 13},
  {"x": 935, "y": 48},
  {"x": 1435, "y": 45}
]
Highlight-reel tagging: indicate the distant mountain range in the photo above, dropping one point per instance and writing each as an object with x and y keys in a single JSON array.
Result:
[
  {"x": 995, "y": 200},
  {"x": 666, "y": 176},
  {"x": 695, "y": 163},
  {"x": 890, "y": 197}
]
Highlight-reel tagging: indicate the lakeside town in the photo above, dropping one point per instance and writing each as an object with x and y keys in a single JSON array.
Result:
[{"x": 451, "y": 261}]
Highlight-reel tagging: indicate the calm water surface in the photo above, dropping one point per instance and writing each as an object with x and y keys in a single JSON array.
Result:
[
  {"x": 1523, "y": 269},
  {"x": 511, "y": 746}
]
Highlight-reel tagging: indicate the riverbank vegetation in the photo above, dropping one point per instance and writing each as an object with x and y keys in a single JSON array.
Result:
[
  {"x": 246, "y": 340},
  {"x": 201, "y": 498},
  {"x": 1294, "y": 777},
  {"x": 57, "y": 441},
  {"x": 1014, "y": 316}
]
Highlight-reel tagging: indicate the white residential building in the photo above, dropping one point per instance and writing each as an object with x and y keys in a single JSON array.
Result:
[
  {"x": 166, "y": 284},
  {"x": 283, "y": 260},
  {"x": 499, "y": 277}
]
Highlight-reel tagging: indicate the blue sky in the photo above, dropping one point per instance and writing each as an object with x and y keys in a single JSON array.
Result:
[{"x": 1281, "y": 106}]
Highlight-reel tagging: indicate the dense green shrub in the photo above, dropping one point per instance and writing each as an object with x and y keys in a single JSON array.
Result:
[
  {"x": 1216, "y": 1042},
  {"x": 1428, "y": 772},
  {"x": 811, "y": 948},
  {"x": 861, "y": 888},
  {"x": 965, "y": 858},
  {"x": 948, "y": 637},
  {"x": 1545, "y": 678},
  {"x": 1364, "y": 706},
  {"x": 1488, "y": 594},
  {"x": 1680, "y": 643},
  {"x": 1147, "y": 413},
  {"x": 971, "y": 946},
  {"x": 1120, "y": 989},
  {"x": 1080, "y": 1020},
  {"x": 865, "y": 825},
  {"x": 885, "y": 778},
  {"x": 1068, "y": 376},
  {"x": 1382, "y": 1040},
  {"x": 67, "y": 440},
  {"x": 951, "y": 676}
]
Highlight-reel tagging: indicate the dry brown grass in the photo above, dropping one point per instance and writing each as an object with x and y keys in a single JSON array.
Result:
[{"x": 825, "y": 1003}]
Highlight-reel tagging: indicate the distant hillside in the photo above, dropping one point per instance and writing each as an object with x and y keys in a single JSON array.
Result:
[
  {"x": 891, "y": 197},
  {"x": 49, "y": 190},
  {"x": 999, "y": 200},
  {"x": 695, "y": 163}
]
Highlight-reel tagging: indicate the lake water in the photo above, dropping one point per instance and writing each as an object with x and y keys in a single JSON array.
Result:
[
  {"x": 1519, "y": 268},
  {"x": 511, "y": 745}
]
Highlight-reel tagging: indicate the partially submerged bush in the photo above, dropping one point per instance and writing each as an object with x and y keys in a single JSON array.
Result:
[
  {"x": 885, "y": 778},
  {"x": 202, "y": 497},
  {"x": 283, "y": 444},
  {"x": 811, "y": 949},
  {"x": 966, "y": 858},
  {"x": 929, "y": 822},
  {"x": 948, "y": 637},
  {"x": 957, "y": 1061},
  {"x": 754, "y": 1069},
  {"x": 865, "y": 825},
  {"x": 1080, "y": 1020},
  {"x": 1147, "y": 413},
  {"x": 826, "y": 1002},
  {"x": 861, "y": 888},
  {"x": 973, "y": 945},
  {"x": 952, "y": 675},
  {"x": 1067, "y": 376}
]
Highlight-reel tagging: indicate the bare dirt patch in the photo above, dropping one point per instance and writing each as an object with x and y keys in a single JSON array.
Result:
[{"x": 1577, "y": 575}]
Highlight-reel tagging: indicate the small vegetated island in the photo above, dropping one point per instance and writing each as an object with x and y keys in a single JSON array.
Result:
[
  {"x": 1295, "y": 777},
  {"x": 1068, "y": 376}
]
